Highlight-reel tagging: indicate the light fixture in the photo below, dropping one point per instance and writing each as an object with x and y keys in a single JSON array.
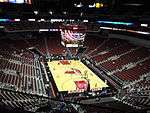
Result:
[
  {"x": 81, "y": 14},
  {"x": 17, "y": 20},
  {"x": 99, "y": 5},
  {"x": 50, "y": 12},
  {"x": 78, "y": 5},
  {"x": 36, "y": 12},
  {"x": 144, "y": 25},
  {"x": 31, "y": 20},
  {"x": 92, "y": 6},
  {"x": 64, "y": 12},
  {"x": 42, "y": 20}
]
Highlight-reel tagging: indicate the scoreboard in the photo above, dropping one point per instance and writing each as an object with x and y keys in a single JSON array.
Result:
[
  {"x": 17, "y": 1},
  {"x": 72, "y": 35}
]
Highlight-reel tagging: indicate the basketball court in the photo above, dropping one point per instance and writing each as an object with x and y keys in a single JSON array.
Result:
[{"x": 73, "y": 76}]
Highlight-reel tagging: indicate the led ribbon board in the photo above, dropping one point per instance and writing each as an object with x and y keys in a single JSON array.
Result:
[
  {"x": 115, "y": 23},
  {"x": 17, "y": 1}
]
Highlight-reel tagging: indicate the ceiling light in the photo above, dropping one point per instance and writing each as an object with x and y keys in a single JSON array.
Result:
[
  {"x": 81, "y": 14},
  {"x": 64, "y": 12},
  {"x": 144, "y": 25},
  {"x": 78, "y": 5},
  {"x": 31, "y": 20},
  {"x": 92, "y": 6},
  {"x": 36, "y": 12},
  {"x": 50, "y": 12},
  {"x": 99, "y": 5}
]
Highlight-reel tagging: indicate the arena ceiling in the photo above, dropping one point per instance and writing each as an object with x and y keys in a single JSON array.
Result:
[
  {"x": 138, "y": 6},
  {"x": 70, "y": 7}
]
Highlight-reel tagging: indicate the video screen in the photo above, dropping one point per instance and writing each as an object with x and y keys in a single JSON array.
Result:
[
  {"x": 72, "y": 35},
  {"x": 72, "y": 38},
  {"x": 17, "y": 1}
]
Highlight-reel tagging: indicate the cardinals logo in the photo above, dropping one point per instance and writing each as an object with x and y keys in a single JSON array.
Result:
[
  {"x": 82, "y": 84},
  {"x": 73, "y": 71}
]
